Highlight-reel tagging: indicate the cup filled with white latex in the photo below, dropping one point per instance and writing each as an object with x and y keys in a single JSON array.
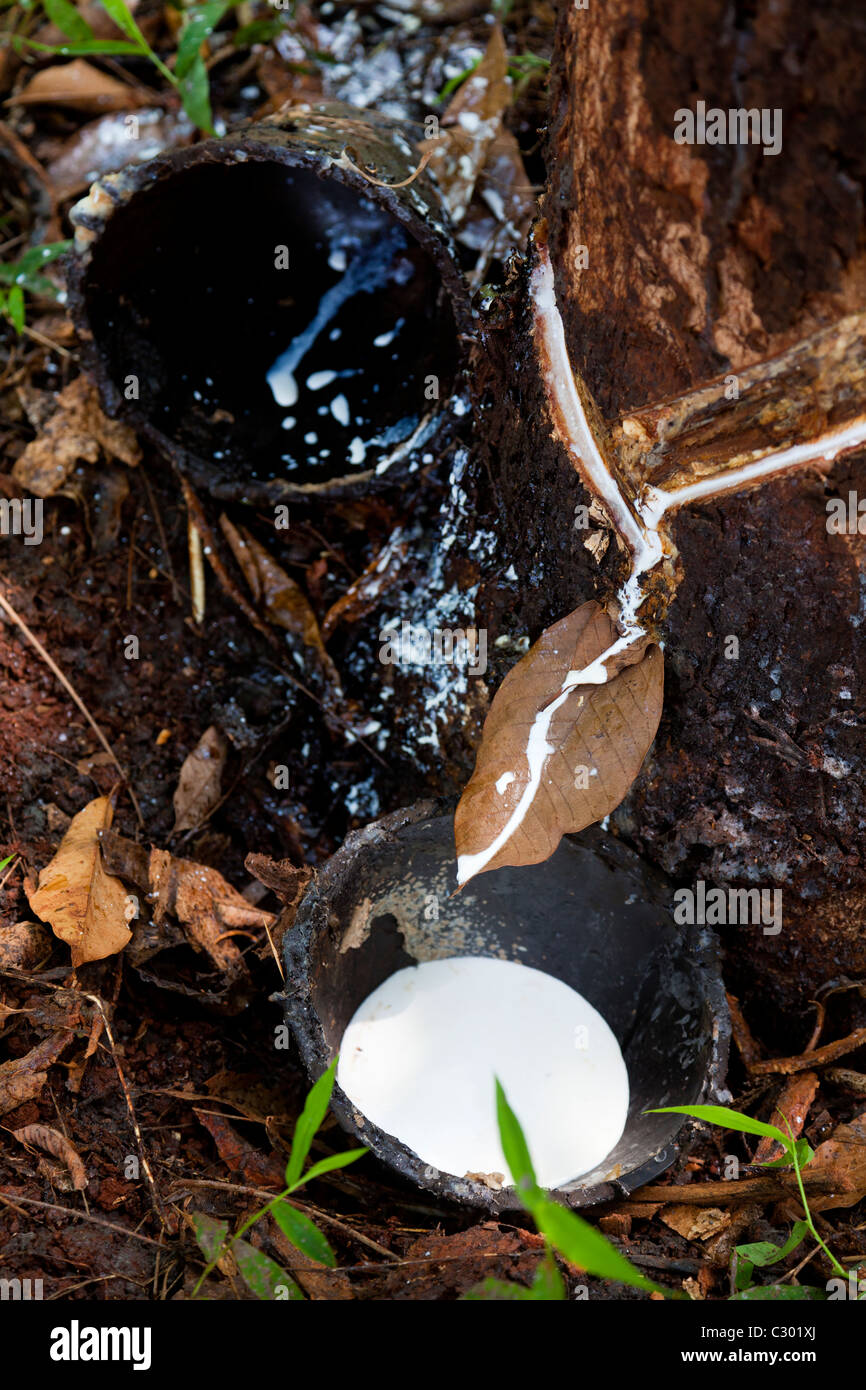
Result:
[{"x": 567, "y": 981}]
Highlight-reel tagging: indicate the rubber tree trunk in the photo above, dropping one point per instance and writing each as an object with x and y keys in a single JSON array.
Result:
[{"x": 675, "y": 263}]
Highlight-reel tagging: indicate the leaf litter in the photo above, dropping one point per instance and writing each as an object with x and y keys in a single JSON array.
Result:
[{"x": 183, "y": 900}]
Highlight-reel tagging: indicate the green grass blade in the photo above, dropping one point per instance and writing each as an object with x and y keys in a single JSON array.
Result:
[
  {"x": 194, "y": 88},
  {"x": 67, "y": 19},
  {"x": 728, "y": 1119},
  {"x": 516, "y": 1151},
  {"x": 122, "y": 16},
  {"x": 263, "y": 1276},
  {"x": 327, "y": 1165},
  {"x": 110, "y": 47},
  {"x": 779, "y": 1293},
  {"x": 584, "y": 1246},
  {"x": 200, "y": 24},
  {"x": 16, "y": 312},
  {"x": 304, "y": 1235},
  {"x": 311, "y": 1117},
  {"x": 764, "y": 1252}
]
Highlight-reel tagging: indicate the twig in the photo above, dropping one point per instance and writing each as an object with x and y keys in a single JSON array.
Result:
[
  {"x": 163, "y": 539},
  {"x": 157, "y": 1204},
  {"x": 301, "y": 1206},
  {"x": 828, "y": 1053},
  {"x": 79, "y": 1216},
  {"x": 71, "y": 691},
  {"x": 711, "y": 1194},
  {"x": 196, "y": 572}
]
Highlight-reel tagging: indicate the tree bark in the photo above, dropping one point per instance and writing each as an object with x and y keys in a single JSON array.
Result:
[{"x": 700, "y": 262}]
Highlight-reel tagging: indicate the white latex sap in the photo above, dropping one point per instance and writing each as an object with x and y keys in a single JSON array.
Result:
[{"x": 420, "y": 1056}]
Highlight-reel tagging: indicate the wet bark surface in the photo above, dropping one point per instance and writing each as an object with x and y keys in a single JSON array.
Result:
[{"x": 700, "y": 261}]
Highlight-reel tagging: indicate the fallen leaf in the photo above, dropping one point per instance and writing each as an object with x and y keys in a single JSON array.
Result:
[
  {"x": 199, "y": 897},
  {"x": 453, "y": 1264},
  {"x": 22, "y": 1078},
  {"x": 83, "y": 904},
  {"x": 78, "y": 431},
  {"x": 592, "y": 749},
  {"x": 282, "y": 601},
  {"x": 498, "y": 222},
  {"x": 58, "y": 1146},
  {"x": 470, "y": 124},
  {"x": 841, "y": 1160},
  {"x": 284, "y": 878},
  {"x": 363, "y": 594},
  {"x": 104, "y": 147},
  {"x": 78, "y": 85},
  {"x": 198, "y": 787},
  {"x": 289, "y": 882},
  {"x": 102, "y": 497},
  {"x": 245, "y": 1162},
  {"x": 316, "y": 1280},
  {"x": 696, "y": 1223}
]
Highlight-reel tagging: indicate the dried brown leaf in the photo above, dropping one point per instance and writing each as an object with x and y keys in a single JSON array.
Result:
[
  {"x": 284, "y": 878},
  {"x": 78, "y": 85},
  {"x": 78, "y": 431},
  {"x": 500, "y": 216},
  {"x": 104, "y": 147},
  {"x": 198, "y": 787},
  {"x": 205, "y": 905},
  {"x": 598, "y": 738},
  {"x": 282, "y": 601},
  {"x": 842, "y": 1160},
  {"x": 470, "y": 125},
  {"x": 22, "y": 1078},
  {"x": 363, "y": 594},
  {"x": 84, "y": 905},
  {"x": 56, "y": 1144},
  {"x": 696, "y": 1223},
  {"x": 243, "y": 1160}
]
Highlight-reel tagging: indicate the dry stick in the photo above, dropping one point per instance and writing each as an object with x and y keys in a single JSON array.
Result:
[
  {"x": 163, "y": 539},
  {"x": 828, "y": 1053},
  {"x": 97, "y": 1279},
  {"x": 41, "y": 339},
  {"x": 157, "y": 1203},
  {"x": 70, "y": 690},
  {"x": 710, "y": 1194},
  {"x": 196, "y": 573},
  {"x": 79, "y": 1216},
  {"x": 301, "y": 1206},
  {"x": 197, "y": 515}
]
